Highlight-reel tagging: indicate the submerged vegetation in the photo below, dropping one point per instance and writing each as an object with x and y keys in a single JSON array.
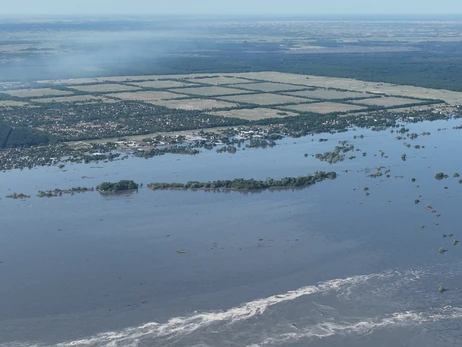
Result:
[
  {"x": 337, "y": 154},
  {"x": 440, "y": 176},
  {"x": 249, "y": 184},
  {"x": 18, "y": 196},
  {"x": 154, "y": 152},
  {"x": 60, "y": 192}
]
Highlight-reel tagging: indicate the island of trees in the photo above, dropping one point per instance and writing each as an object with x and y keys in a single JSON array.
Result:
[
  {"x": 249, "y": 184},
  {"x": 123, "y": 185}
]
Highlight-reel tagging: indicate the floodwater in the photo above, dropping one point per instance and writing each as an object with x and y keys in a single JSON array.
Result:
[{"x": 321, "y": 266}]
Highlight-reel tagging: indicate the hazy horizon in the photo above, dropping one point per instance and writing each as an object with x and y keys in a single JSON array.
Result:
[
  {"x": 235, "y": 8},
  {"x": 254, "y": 16}
]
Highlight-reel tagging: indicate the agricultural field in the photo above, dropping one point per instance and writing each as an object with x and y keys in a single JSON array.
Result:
[
  {"x": 105, "y": 88},
  {"x": 161, "y": 84},
  {"x": 72, "y": 98},
  {"x": 146, "y": 96},
  {"x": 12, "y": 103},
  {"x": 195, "y": 104},
  {"x": 120, "y": 106},
  {"x": 387, "y": 101},
  {"x": 254, "y": 113},
  {"x": 449, "y": 96},
  {"x": 210, "y": 91},
  {"x": 269, "y": 87},
  {"x": 323, "y": 107},
  {"x": 36, "y": 93},
  {"x": 330, "y": 94},
  {"x": 264, "y": 99},
  {"x": 220, "y": 80}
]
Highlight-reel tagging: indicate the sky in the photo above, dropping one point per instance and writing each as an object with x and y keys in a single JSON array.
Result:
[{"x": 229, "y": 7}]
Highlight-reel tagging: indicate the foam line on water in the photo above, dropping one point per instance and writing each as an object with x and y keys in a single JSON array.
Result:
[
  {"x": 186, "y": 325},
  {"x": 362, "y": 327},
  {"x": 182, "y": 326}
]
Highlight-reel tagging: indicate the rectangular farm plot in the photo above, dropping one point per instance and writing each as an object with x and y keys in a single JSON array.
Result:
[
  {"x": 269, "y": 87},
  {"x": 324, "y": 107},
  {"x": 36, "y": 93},
  {"x": 330, "y": 94},
  {"x": 255, "y": 113},
  {"x": 147, "y": 96},
  {"x": 161, "y": 84},
  {"x": 220, "y": 80},
  {"x": 388, "y": 101},
  {"x": 12, "y": 103},
  {"x": 194, "y": 104},
  {"x": 72, "y": 98},
  {"x": 104, "y": 88},
  {"x": 210, "y": 91},
  {"x": 264, "y": 99}
]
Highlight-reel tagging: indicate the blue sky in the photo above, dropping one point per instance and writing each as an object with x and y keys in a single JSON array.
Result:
[{"x": 252, "y": 7}]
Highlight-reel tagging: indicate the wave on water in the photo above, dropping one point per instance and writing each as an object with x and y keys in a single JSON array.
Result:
[
  {"x": 187, "y": 325},
  {"x": 180, "y": 329},
  {"x": 361, "y": 327}
]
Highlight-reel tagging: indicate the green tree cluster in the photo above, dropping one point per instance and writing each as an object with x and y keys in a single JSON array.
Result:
[
  {"x": 108, "y": 187},
  {"x": 249, "y": 184}
]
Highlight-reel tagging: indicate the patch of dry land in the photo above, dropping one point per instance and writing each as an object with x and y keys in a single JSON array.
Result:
[
  {"x": 330, "y": 94},
  {"x": 195, "y": 104},
  {"x": 254, "y": 113},
  {"x": 387, "y": 101},
  {"x": 105, "y": 88},
  {"x": 36, "y": 93},
  {"x": 323, "y": 107},
  {"x": 269, "y": 87},
  {"x": 72, "y": 98},
  {"x": 161, "y": 84},
  {"x": 448, "y": 96},
  {"x": 210, "y": 91},
  {"x": 12, "y": 103},
  {"x": 219, "y": 80},
  {"x": 264, "y": 99},
  {"x": 146, "y": 96},
  {"x": 308, "y": 81},
  {"x": 272, "y": 92}
]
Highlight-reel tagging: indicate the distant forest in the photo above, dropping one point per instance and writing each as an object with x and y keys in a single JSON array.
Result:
[
  {"x": 435, "y": 65},
  {"x": 432, "y": 65}
]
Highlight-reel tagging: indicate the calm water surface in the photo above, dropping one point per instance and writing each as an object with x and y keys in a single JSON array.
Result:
[{"x": 324, "y": 266}]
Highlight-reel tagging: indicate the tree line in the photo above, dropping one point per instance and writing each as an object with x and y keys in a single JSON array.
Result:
[{"x": 249, "y": 184}]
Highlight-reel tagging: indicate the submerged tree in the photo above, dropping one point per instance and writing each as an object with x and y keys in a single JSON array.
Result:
[{"x": 441, "y": 175}]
